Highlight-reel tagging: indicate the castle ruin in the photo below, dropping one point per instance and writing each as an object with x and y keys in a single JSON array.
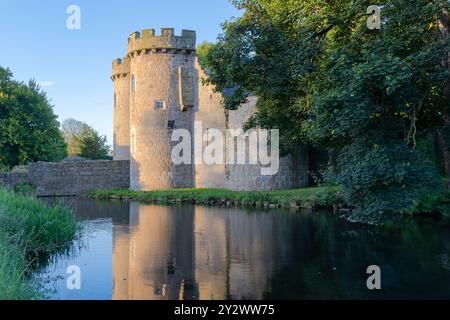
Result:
[{"x": 158, "y": 87}]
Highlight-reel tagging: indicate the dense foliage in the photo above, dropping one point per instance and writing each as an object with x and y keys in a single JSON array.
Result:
[
  {"x": 29, "y": 130},
  {"x": 202, "y": 51},
  {"x": 93, "y": 145},
  {"x": 83, "y": 141},
  {"x": 368, "y": 96}
]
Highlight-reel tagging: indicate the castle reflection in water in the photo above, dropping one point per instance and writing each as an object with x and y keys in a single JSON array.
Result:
[
  {"x": 194, "y": 253},
  {"x": 144, "y": 252},
  {"x": 186, "y": 252}
]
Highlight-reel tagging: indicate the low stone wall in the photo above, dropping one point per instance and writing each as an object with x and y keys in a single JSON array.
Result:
[
  {"x": 293, "y": 173},
  {"x": 12, "y": 179},
  {"x": 71, "y": 178}
]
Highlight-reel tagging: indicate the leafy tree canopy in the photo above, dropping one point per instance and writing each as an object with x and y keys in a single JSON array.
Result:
[
  {"x": 366, "y": 95},
  {"x": 82, "y": 140},
  {"x": 29, "y": 130},
  {"x": 202, "y": 51}
]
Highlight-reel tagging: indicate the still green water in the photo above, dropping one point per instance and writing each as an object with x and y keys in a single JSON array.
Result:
[{"x": 151, "y": 252}]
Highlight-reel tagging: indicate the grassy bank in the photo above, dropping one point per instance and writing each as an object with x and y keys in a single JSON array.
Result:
[
  {"x": 321, "y": 197},
  {"x": 308, "y": 198},
  {"x": 29, "y": 231}
]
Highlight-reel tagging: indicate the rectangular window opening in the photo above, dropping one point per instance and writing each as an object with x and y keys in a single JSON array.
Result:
[
  {"x": 171, "y": 125},
  {"x": 160, "y": 105}
]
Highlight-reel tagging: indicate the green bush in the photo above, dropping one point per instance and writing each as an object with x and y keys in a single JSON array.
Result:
[
  {"x": 383, "y": 181},
  {"x": 433, "y": 203}
]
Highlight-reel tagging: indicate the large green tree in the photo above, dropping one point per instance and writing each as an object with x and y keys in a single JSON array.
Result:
[
  {"x": 71, "y": 130},
  {"x": 84, "y": 141},
  {"x": 368, "y": 96},
  {"x": 203, "y": 50},
  {"x": 93, "y": 145},
  {"x": 444, "y": 131},
  {"x": 29, "y": 130}
]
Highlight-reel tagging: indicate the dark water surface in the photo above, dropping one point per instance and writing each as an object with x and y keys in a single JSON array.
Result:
[{"x": 138, "y": 251}]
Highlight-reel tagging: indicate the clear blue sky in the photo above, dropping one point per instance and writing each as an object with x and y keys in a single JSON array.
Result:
[{"x": 74, "y": 66}]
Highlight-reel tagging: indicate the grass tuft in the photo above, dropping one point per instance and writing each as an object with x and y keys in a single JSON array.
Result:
[{"x": 30, "y": 231}]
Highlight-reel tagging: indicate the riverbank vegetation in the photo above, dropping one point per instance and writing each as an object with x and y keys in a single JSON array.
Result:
[
  {"x": 371, "y": 98},
  {"x": 437, "y": 204},
  {"x": 320, "y": 197},
  {"x": 30, "y": 232}
]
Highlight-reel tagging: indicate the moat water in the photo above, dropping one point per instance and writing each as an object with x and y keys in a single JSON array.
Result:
[{"x": 152, "y": 252}]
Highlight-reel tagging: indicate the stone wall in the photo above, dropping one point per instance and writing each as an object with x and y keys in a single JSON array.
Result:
[
  {"x": 293, "y": 170},
  {"x": 71, "y": 178},
  {"x": 293, "y": 173},
  {"x": 211, "y": 114},
  {"x": 12, "y": 179}
]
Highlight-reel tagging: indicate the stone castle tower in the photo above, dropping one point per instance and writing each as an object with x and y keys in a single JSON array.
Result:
[
  {"x": 154, "y": 94},
  {"x": 158, "y": 88},
  {"x": 121, "y": 78}
]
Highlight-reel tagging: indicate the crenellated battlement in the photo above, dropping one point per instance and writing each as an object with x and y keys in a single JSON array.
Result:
[
  {"x": 120, "y": 67},
  {"x": 147, "y": 39}
]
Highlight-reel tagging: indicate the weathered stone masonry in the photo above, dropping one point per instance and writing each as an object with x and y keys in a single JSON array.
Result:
[
  {"x": 155, "y": 82},
  {"x": 71, "y": 178},
  {"x": 12, "y": 179},
  {"x": 158, "y": 86}
]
